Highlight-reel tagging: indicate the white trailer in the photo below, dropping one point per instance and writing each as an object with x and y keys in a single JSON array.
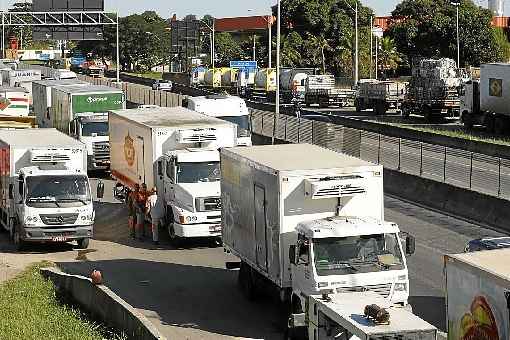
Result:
[
  {"x": 379, "y": 95},
  {"x": 293, "y": 84},
  {"x": 45, "y": 188},
  {"x": 321, "y": 90},
  {"x": 478, "y": 295},
  {"x": 230, "y": 108},
  {"x": 20, "y": 78},
  {"x": 310, "y": 223},
  {"x": 486, "y": 101},
  {"x": 14, "y": 102},
  {"x": 175, "y": 150}
]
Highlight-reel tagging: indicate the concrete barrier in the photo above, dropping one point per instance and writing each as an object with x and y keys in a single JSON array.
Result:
[{"x": 103, "y": 304}]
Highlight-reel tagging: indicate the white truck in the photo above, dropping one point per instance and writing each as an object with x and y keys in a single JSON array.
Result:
[
  {"x": 14, "y": 102},
  {"x": 478, "y": 295},
  {"x": 348, "y": 316},
  {"x": 379, "y": 96},
  {"x": 20, "y": 78},
  {"x": 175, "y": 150},
  {"x": 293, "y": 84},
  {"x": 46, "y": 195},
  {"x": 305, "y": 224},
  {"x": 82, "y": 112},
  {"x": 61, "y": 74},
  {"x": 230, "y": 108},
  {"x": 486, "y": 101},
  {"x": 321, "y": 90}
]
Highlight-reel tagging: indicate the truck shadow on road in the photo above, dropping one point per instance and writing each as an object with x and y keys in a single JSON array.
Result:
[
  {"x": 431, "y": 309},
  {"x": 185, "y": 296}
]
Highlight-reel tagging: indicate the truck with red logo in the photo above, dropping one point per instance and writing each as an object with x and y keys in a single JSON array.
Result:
[{"x": 176, "y": 151}]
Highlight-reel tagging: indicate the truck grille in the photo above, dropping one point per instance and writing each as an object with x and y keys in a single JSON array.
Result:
[
  {"x": 382, "y": 289},
  {"x": 212, "y": 203},
  {"x": 59, "y": 219},
  {"x": 101, "y": 152}
]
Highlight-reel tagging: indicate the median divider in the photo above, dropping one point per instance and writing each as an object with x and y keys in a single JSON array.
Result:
[{"x": 103, "y": 304}]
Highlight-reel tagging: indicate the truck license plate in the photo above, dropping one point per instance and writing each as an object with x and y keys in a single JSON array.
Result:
[
  {"x": 59, "y": 239},
  {"x": 215, "y": 228}
]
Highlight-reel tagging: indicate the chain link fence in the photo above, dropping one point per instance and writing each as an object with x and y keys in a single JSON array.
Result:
[{"x": 465, "y": 169}]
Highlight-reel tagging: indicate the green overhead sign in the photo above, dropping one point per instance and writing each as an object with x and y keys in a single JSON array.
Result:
[{"x": 97, "y": 102}]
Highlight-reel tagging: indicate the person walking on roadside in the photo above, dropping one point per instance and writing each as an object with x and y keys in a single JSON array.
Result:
[
  {"x": 131, "y": 202},
  {"x": 156, "y": 210},
  {"x": 140, "y": 203}
]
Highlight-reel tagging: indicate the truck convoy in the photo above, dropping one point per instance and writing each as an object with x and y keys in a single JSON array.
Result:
[
  {"x": 379, "y": 96},
  {"x": 433, "y": 90},
  {"x": 230, "y": 108},
  {"x": 14, "y": 102},
  {"x": 81, "y": 111},
  {"x": 175, "y": 150},
  {"x": 486, "y": 101},
  {"x": 478, "y": 295},
  {"x": 306, "y": 224},
  {"x": 45, "y": 188},
  {"x": 20, "y": 78}
]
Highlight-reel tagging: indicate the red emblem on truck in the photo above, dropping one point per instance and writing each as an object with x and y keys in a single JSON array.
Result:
[{"x": 129, "y": 150}]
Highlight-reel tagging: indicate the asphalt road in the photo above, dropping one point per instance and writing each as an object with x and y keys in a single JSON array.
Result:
[{"x": 188, "y": 294}]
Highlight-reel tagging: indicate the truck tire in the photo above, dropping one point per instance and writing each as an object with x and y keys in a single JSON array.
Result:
[
  {"x": 405, "y": 110},
  {"x": 19, "y": 244},
  {"x": 83, "y": 243},
  {"x": 246, "y": 282},
  {"x": 500, "y": 125},
  {"x": 427, "y": 114},
  {"x": 466, "y": 120},
  {"x": 489, "y": 123},
  {"x": 358, "y": 105}
]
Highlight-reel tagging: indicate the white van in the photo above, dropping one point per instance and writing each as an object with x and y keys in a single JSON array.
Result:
[
  {"x": 230, "y": 108},
  {"x": 63, "y": 74}
]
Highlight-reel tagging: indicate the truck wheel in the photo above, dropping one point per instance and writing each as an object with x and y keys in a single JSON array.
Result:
[
  {"x": 358, "y": 105},
  {"x": 245, "y": 281},
  {"x": 427, "y": 114},
  {"x": 83, "y": 243},
  {"x": 489, "y": 123},
  {"x": 467, "y": 121},
  {"x": 19, "y": 244},
  {"x": 500, "y": 125}
]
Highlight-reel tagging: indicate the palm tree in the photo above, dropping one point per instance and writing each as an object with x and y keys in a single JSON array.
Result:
[
  {"x": 319, "y": 43},
  {"x": 389, "y": 57},
  {"x": 290, "y": 55}
]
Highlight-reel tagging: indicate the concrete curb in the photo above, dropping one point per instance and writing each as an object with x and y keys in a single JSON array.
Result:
[{"x": 104, "y": 304}]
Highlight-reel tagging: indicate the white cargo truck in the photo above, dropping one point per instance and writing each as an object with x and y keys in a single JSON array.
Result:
[
  {"x": 380, "y": 96},
  {"x": 20, "y": 78},
  {"x": 322, "y": 90},
  {"x": 346, "y": 316},
  {"x": 486, "y": 101},
  {"x": 230, "y": 108},
  {"x": 175, "y": 150},
  {"x": 305, "y": 224},
  {"x": 82, "y": 112},
  {"x": 293, "y": 84},
  {"x": 478, "y": 295},
  {"x": 45, "y": 188},
  {"x": 14, "y": 102}
]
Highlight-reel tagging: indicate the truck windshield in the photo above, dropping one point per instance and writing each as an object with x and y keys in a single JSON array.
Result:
[
  {"x": 348, "y": 255},
  {"x": 58, "y": 190},
  {"x": 94, "y": 128},
  {"x": 198, "y": 172},
  {"x": 242, "y": 122}
]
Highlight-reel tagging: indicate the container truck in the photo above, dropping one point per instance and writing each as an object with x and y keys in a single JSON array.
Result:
[
  {"x": 264, "y": 86},
  {"x": 379, "y": 96},
  {"x": 45, "y": 188},
  {"x": 304, "y": 224},
  {"x": 321, "y": 90},
  {"x": 478, "y": 295},
  {"x": 212, "y": 78},
  {"x": 293, "y": 84},
  {"x": 230, "y": 108},
  {"x": 20, "y": 78},
  {"x": 486, "y": 101},
  {"x": 229, "y": 78},
  {"x": 175, "y": 150},
  {"x": 14, "y": 102},
  {"x": 81, "y": 112},
  {"x": 349, "y": 316}
]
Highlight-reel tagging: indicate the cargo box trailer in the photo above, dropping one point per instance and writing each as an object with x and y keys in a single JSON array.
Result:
[{"x": 175, "y": 150}]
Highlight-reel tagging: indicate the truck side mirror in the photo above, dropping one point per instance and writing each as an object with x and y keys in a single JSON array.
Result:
[
  {"x": 292, "y": 254},
  {"x": 410, "y": 245},
  {"x": 100, "y": 190},
  {"x": 11, "y": 191}
]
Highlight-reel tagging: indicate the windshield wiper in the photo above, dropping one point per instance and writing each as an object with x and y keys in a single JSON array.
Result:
[
  {"x": 73, "y": 200},
  {"x": 337, "y": 265}
]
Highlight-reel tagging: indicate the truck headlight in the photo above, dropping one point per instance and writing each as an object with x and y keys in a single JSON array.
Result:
[
  {"x": 187, "y": 219},
  {"x": 400, "y": 287}
]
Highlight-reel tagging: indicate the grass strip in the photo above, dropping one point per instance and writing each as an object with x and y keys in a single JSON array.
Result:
[
  {"x": 30, "y": 310},
  {"x": 150, "y": 75}
]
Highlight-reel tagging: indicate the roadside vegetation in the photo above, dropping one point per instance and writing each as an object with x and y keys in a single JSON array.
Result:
[
  {"x": 150, "y": 75},
  {"x": 30, "y": 310}
]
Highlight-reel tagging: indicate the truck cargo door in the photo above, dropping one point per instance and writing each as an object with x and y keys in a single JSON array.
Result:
[
  {"x": 140, "y": 156},
  {"x": 260, "y": 227}
]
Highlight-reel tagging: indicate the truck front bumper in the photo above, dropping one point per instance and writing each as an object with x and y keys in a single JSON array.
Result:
[
  {"x": 64, "y": 234},
  {"x": 198, "y": 230}
]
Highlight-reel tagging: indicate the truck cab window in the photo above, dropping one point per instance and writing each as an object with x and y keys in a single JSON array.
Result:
[
  {"x": 21, "y": 187},
  {"x": 170, "y": 171},
  {"x": 303, "y": 252},
  {"x": 160, "y": 168}
]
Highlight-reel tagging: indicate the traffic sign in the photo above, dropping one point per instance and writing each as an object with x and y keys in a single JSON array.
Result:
[{"x": 244, "y": 64}]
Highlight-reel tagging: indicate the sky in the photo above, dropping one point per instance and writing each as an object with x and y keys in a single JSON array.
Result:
[{"x": 223, "y": 8}]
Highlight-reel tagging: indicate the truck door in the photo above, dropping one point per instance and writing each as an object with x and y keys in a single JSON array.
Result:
[
  {"x": 260, "y": 227},
  {"x": 140, "y": 156},
  {"x": 476, "y": 96}
]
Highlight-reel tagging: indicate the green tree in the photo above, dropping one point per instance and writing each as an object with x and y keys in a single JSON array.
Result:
[
  {"x": 318, "y": 45},
  {"x": 389, "y": 57},
  {"x": 227, "y": 49},
  {"x": 290, "y": 55},
  {"x": 427, "y": 28}
]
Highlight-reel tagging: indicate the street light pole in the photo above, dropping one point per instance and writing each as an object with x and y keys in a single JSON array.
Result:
[
  {"x": 371, "y": 44},
  {"x": 118, "y": 50},
  {"x": 278, "y": 32},
  {"x": 270, "y": 42},
  {"x": 356, "y": 66},
  {"x": 458, "y": 37},
  {"x": 213, "y": 42}
]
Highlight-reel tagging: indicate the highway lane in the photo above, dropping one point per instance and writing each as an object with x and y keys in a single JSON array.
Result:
[{"x": 188, "y": 294}]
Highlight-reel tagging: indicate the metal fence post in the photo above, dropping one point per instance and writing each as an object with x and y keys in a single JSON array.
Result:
[
  {"x": 471, "y": 172},
  {"x": 378, "y": 149},
  {"x": 421, "y": 159},
  {"x": 444, "y": 165},
  {"x": 399, "y": 152},
  {"x": 499, "y": 177}
]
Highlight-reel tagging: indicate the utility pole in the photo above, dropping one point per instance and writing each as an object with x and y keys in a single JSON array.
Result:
[
  {"x": 278, "y": 32},
  {"x": 356, "y": 64},
  {"x": 118, "y": 50},
  {"x": 213, "y": 42},
  {"x": 457, "y": 3},
  {"x": 376, "y": 57},
  {"x": 254, "y": 49},
  {"x": 270, "y": 23},
  {"x": 371, "y": 44}
]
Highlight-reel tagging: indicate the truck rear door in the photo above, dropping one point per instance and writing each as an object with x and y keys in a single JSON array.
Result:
[{"x": 260, "y": 227}]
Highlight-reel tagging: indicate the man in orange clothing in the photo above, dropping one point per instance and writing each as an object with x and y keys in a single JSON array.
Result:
[
  {"x": 131, "y": 202},
  {"x": 140, "y": 203}
]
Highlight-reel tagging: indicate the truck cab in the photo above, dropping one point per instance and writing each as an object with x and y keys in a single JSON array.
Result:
[
  {"x": 51, "y": 204},
  {"x": 470, "y": 102},
  {"x": 190, "y": 180},
  {"x": 348, "y": 254},
  {"x": 230, "y": 108},
  {"x": 92, "y": 130}
]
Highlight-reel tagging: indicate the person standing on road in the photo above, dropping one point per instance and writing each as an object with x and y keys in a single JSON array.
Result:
[
  {"x": 140, "y": 203},
  {"x": 156, "y": 210},
  {"x": 131, "y": 202}
]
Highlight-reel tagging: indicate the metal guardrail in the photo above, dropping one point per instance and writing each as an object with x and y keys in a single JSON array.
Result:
[{"x": 474, "y": 171}]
